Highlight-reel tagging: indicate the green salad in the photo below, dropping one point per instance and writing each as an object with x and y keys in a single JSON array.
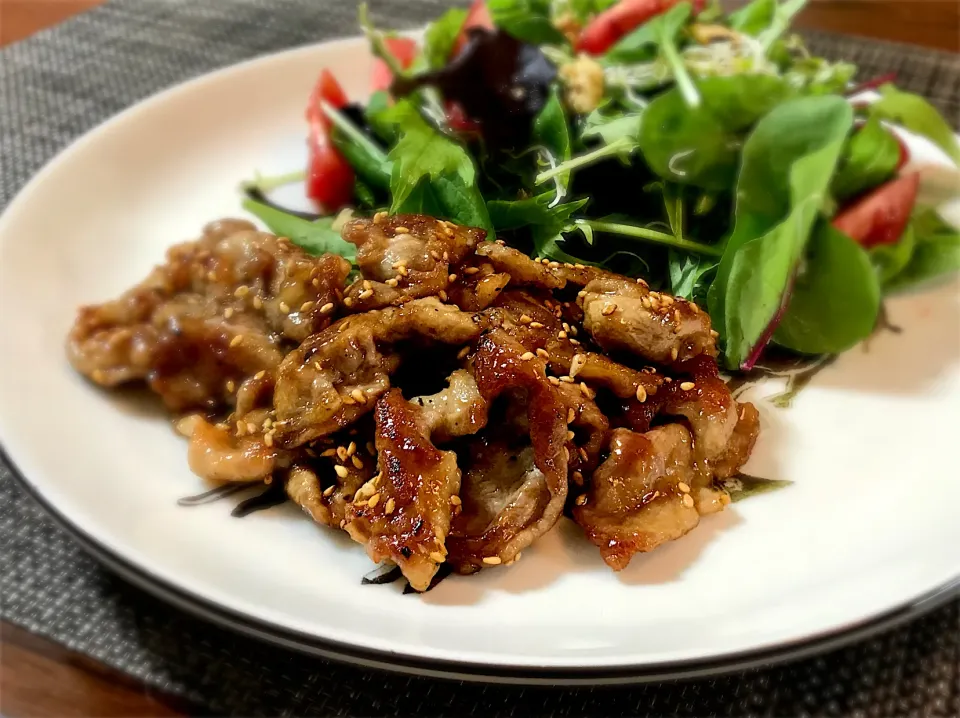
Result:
[{"x": 710, "y": 154}]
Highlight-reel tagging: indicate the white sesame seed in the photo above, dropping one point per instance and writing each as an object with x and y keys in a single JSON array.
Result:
[
  {"x": 527, "y": 356},
  {"x": 570, "y": 435},
  {"x": 536, "y": 325},
  {"x": 401, "y": 230},
  {"x": 687, "y": 500},
  {"x": 687, "y": 385},
  {"x": 389, "y": 506},
  {"x": 567, "y": 379},
  {"x": 228, "y": 312},
  {"x": 541, "y": 352},
  {"x": 455, "y": 500},
  {"x": 608, "y": 310},
  {"x": 553, "y": 380},
  {"x": 571, "y": 415},
  {"x": 581, "y": 500},
  {"x": 674, "y": 353},
  {"x": 437, "y": 557},
  {"x": 683, "y": 487},
  {"x": 587, "y": 391},
  {"x": 231, "y": 385},
  {"x": 374, "y": 500},
  {"x": 492, "y": 560},
  {"x": 257, "y": 303},
  {"x": 260, "y": 374},
  {"x": 463, "y": 353},
  {"x": 366, "y": 294},
  {"x": 329, "y": 490},
  {"x": 524, "y": 319},
  {"x": 236, "y": 340},
  {"x": 284, "y": 307},
  {"x": 347, "y": 302},
  {"x": 241, "y": 291},
  {"x": 268, "y": 438},
  {"x": 342, "y": 471},
  {"x": 306, "y": 306},
  {"x": 357, "y": 461},
  {"x": 471, "y": 270},
  {"x": 452, "y": 277},
  {"x": 641, "y": 393}
]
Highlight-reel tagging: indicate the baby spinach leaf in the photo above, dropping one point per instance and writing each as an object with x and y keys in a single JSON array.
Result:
[
  {"x": 610, "y": 129},
  {"x": 917, "y": 115},
  {"x": 440, "y": 37},
  {"x": 787, "y": 165},
  {"x": 702, "y": 146},
  {"x": 754, "y": 18},
  {"x": 869, "y": 158},
  {"x": 316, "y": 237},
  {"x": 890, "y": 259},
  {"x": 424, "y": 156},
  {"x": 526, "y": 20},
  {"x": 366, "y": 157},
  {"x": 936, "y": 251},
  {"x": 835, "y": 298}
]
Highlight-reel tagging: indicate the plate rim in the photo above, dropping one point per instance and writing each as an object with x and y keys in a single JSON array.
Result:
[
  {"x": 397, "y": 662},
  {"x": 250, "y": 625}
]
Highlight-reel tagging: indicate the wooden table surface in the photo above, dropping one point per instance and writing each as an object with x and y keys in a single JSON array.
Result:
[{"x": 39, "y": 678}]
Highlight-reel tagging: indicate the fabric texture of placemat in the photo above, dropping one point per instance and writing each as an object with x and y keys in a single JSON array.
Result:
[{"x": 60, "y": 83}]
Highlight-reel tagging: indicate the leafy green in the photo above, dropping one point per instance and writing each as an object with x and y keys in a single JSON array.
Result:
[
  {"x": 869, "y": 158},
  {"x": 891, "y": 259},
  {"x": 787, "y": 165},
  {"x": 917, "y": 115},
  {"x": 782, "y": 17},
  {"x": 440, "y": 37},
  {"x": 816, "y": 76},
  {"x": 317, "y": 237},
  {"x": 363, "y": 154},
  {"x": 612, "y": 128},
  {"x": 526, "y": 20},
  {"x": 374, "y": 114},
  {"x": 581, "y": 9},
  {"x": 754, "y": 18},
  {"x": 665, "y": 28},
  {"x": 643, "y": 43},
  {"x": 550, "y": 129},
  {"x": 936, "y": 251},
  {"x": 835, "y": 298},
  {"x": 506, "y": 215},
  {"x": 690, "y": 274},
  {"x": 702, "y": 146},
  {"x": 431, "y": 173}
]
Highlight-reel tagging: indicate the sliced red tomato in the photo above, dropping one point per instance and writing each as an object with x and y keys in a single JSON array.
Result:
[
  {"x": 881, "y": 216},
  {"x": 404, "y": 49},
  {"x": 603, "y": 31},
  {"x": 329, "y": 175},
  {"x": 477, "y": 16},
  {"x": 457, "y": 118}
]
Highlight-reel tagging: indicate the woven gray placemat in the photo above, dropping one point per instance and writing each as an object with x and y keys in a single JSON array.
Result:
[{"x": 60, "y": 83}]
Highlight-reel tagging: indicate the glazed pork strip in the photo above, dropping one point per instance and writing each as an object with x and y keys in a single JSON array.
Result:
[
  {"x": 405, "y": 257},
  {"x": 220, "y": 309},
  {"x": 335, "y": 376}
]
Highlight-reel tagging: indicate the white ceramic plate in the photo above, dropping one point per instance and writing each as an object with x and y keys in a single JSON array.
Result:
[{"x": 866, "y": 535}]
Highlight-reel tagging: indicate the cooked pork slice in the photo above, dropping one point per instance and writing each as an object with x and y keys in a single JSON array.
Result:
[
  {"x": 640, "y": 496},
  {"x": 335, "y": 376},
  {"x": 324, "y": 494},
  {"x": 707, "y": 404},
  {"x": 404, "y": 257},
  {"x": 588, "y": 427},
  {"x": 741, "y": 443},
  {"x": 522, "y": 269},
  {"x": 220, "y": 309},
  {"x": 477, "y": 286},
  {"x": 221, "y": 454},
  {"x": 515, "y": 479},
  {"x": 536, "y": 322},
  {"x": 403, "y": 513},
  {"x": 458, "y": 410},
  {"x": 622, "y": 314}
]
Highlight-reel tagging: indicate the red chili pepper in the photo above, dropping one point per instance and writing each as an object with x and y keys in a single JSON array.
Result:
[
  {"x": 404, "y": 49},
  {"x": 329, "y": 175},
  {"x": 881, "y": 216},
  {"x": 606, "y": 29}
]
